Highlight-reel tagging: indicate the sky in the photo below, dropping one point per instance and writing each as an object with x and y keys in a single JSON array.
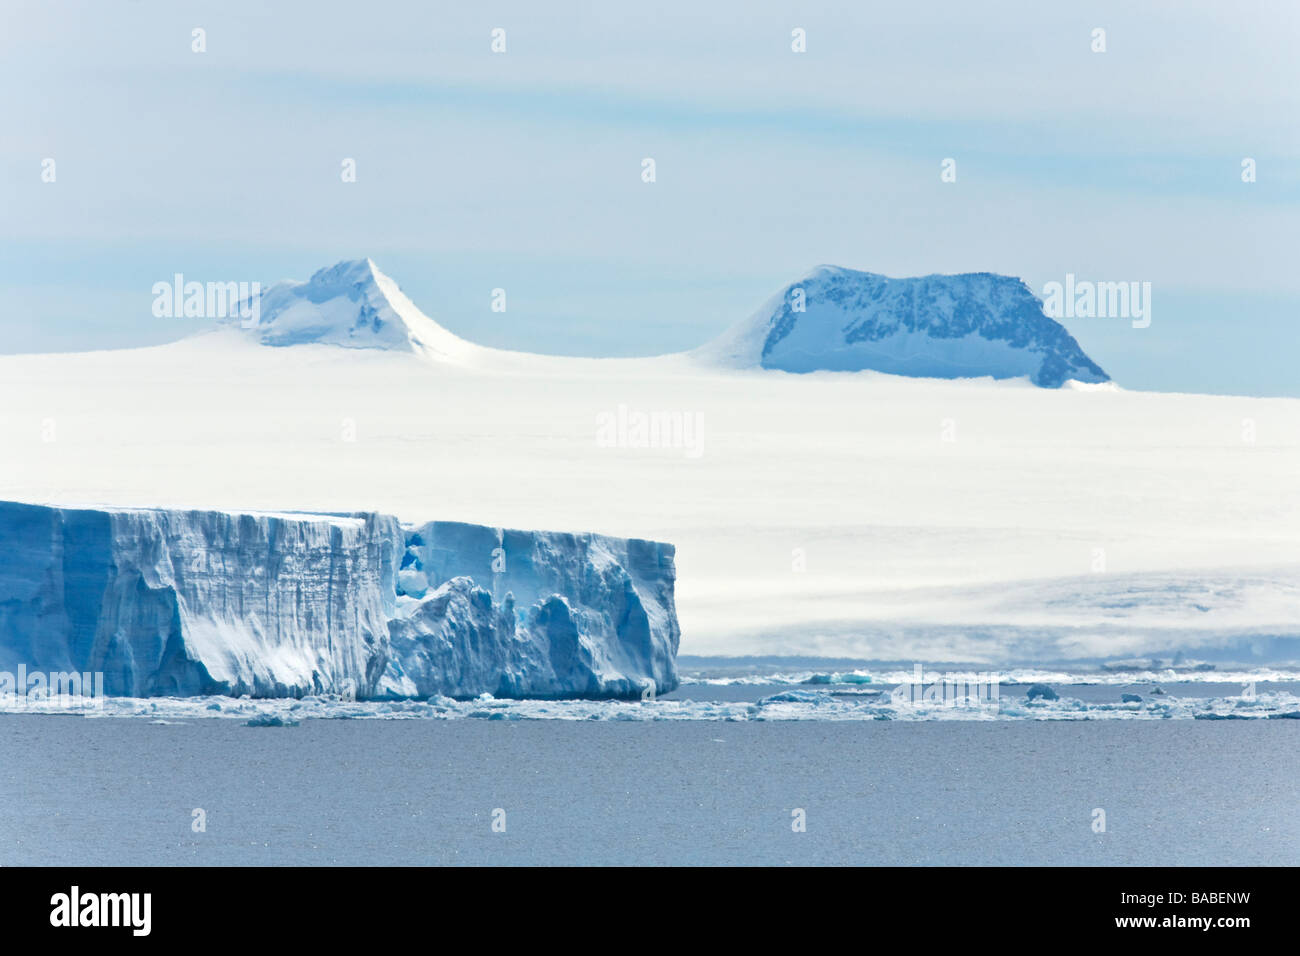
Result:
[{"x": 522, "y": 170}]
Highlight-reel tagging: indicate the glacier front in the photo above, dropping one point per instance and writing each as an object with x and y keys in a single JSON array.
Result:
[{"x": 183, "y": 603}]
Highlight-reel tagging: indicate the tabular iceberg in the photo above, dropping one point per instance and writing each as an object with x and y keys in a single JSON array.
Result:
[{"x": 169, "y": 602}]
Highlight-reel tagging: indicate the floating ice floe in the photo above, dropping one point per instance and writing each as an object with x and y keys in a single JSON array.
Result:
[{"x": 784, "y": 705}]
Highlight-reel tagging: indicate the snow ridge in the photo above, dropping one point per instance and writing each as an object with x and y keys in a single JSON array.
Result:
[
  {"x": 833, "y": 319},
  {"x": 354, "y": 305}
]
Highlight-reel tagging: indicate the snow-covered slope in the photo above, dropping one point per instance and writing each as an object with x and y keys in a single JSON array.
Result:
[
  {"x": 853, "y": 515},
  {"x": 867, "y": 515},
  {"x": 833, "y": 319},
  {"x": 353, "y": 304},
  {"x": 959, "y": 326},
  {"x": 199, "y": 602}
]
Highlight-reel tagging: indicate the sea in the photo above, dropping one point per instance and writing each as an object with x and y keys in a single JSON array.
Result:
[{"x": 750, "y": 762}]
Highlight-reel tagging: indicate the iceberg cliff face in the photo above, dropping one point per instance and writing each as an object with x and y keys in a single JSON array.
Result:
[
  {"x": 203, "y": 602},
  {"x": 558, "y": 615}
]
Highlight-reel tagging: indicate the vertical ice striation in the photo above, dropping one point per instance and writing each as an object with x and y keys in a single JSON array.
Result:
[
  {"x": 168, "y": 602},
  {"x": 541, "y": 614}
]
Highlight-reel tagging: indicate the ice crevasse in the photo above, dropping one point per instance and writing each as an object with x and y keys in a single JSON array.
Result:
[{"x": 181, "y": 603}]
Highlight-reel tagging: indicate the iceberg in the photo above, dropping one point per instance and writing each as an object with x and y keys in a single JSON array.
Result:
[{"x": 187, "y": 603}]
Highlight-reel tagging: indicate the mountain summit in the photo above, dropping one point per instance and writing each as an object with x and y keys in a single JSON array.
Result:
[
  {"x": 833, "y": 319},
  {"x": 354, "y": 305},
  {"x": 958, "y": 326}
]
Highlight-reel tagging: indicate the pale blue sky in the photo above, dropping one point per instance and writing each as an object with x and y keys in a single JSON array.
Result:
[{"x": 522, "y": 170}]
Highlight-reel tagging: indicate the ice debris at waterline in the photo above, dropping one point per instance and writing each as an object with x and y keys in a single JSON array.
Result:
[
  {"x": 270, "y": 720},
  {"x": 1042, "y": 691},
  {"x": 185, "y": 603},
  {"x": 788, "y": 705}
]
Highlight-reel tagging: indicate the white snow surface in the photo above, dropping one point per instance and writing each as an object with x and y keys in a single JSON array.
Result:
[{"x": 854, "y": 514}]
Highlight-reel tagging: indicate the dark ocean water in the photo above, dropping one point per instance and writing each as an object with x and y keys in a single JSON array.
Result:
[{"x": 85, "y": 791}]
